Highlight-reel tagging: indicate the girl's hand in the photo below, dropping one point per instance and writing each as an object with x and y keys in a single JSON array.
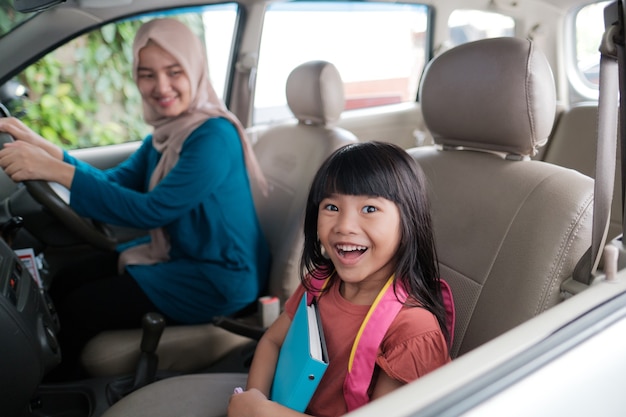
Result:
[
  {"x": 21, "y": 132},
  {"x": 247, "y": 404},
  {"x": 23, "y": 161}
]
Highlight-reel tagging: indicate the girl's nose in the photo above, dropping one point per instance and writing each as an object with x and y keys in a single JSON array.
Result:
[{"x": 347, "y": 223}]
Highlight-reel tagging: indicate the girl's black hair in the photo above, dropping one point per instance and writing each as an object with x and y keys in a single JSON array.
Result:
[{"x": 384, "y": 170}]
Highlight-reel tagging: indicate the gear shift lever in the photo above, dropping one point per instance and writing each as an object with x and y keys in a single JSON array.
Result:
[
  {"x": 153, "y": 325},
  {"x": 145, "y": 373}
]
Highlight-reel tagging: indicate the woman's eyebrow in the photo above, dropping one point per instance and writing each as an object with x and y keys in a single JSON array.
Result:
[{"x": 140, "y": 68}]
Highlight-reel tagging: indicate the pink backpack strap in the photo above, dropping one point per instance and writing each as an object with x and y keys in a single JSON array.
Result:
[
  {"x": 373, "y": 329},
  {"x": 362, "y": 361},
  {"x": 448, "y": 303},
  {"x": 377, "y": 321}
]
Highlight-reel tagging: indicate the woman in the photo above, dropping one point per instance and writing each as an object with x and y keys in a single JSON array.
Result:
[{"x": 187, "y": 184}]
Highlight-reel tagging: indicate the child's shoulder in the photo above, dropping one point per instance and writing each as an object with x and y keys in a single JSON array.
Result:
[
  {"x": 413, "y": 322},
  {"x": 414, "y": 343}
]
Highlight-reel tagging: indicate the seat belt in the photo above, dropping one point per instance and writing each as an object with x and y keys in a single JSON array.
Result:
[
  {"x": 621, "y": 59},
  {"x": 585, "y": 270}
]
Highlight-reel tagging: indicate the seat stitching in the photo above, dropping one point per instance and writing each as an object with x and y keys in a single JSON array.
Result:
[{"x": 564, "y": 248}]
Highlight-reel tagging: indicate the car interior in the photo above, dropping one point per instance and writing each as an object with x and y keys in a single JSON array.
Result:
[
  {"x": 479, "y": 271},
  {"x": 511, "y": 171}
]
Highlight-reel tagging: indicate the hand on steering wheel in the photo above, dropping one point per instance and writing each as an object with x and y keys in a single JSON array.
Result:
[{"x": 44, "y": 194}]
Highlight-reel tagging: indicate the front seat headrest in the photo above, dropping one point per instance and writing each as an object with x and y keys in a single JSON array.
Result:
[
  {"x": 315, "y": 93},
  {"x": 493, "y": 94}
]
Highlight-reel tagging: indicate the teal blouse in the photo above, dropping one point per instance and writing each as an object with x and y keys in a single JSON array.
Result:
[{"x": 219, "y": 258}]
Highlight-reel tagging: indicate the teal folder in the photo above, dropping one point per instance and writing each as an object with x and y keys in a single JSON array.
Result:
[{"x": 302, "y": 360}]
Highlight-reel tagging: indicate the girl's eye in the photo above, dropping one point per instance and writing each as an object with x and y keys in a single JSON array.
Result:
[
  {"x": 175, "y": 73},
  {"x": 331, "y": 207},
  {"x": 144, "y": 75},
  {"x": 369, "y": 209}
]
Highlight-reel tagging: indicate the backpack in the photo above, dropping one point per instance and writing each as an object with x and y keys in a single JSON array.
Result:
[{"x": 371, "y": 333}]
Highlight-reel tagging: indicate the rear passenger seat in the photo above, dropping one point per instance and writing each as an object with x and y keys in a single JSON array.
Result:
[{"x": 573, "y": 145}]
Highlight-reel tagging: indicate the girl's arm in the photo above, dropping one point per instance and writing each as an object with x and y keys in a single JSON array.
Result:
[
  {"x": 265, "y": 358},
  {"x": 384, "y": 385},
  {"x": 254, "y": 401}
]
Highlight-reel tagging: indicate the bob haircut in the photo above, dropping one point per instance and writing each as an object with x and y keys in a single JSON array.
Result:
[{"x": 379, "y": 169}]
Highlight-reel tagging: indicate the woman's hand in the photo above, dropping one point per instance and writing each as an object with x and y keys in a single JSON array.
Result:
[
  {"x": 21, "y": 132},
  {"x": 23, "y": 161}
]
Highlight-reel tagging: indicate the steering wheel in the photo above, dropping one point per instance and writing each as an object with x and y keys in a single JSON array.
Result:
[{"x": 44, "y": 194}]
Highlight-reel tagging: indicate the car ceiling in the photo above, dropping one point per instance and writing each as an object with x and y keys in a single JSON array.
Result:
[{"x": 53, "y": 27}]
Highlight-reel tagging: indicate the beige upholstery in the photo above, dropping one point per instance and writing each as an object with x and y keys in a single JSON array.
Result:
[
  {"x": 289, "y": 155},
  {"x": 573, "y": 145},
  {"x": 195, "y": 395},
  {"x": 509, "y": 230}
]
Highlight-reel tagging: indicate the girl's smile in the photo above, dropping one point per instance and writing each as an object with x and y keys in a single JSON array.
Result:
[{"x": 350, "y": 254}]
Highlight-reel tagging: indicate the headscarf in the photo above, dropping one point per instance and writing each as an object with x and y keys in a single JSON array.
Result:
[{"x": 171, "y": 132}]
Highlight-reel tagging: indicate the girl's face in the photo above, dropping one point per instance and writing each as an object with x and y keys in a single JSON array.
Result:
[
  {"x": 162, "y": 82},
  {"x": 361, "y": 234}
]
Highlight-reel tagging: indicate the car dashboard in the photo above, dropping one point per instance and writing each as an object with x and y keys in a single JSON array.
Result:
[{"x": 28, "y": 329}]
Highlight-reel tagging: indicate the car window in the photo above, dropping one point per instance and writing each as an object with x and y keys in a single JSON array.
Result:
[
  {"x": 379, "y": 49},
  {"x": 588, "y": 30},
  {"x": 82, "y": 94},
  {"x": 10, "y": 18},
  {"x": 466, "y": 25}
]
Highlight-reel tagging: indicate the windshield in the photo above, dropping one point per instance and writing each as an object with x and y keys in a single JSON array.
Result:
[{"x": 10, "y": 18}]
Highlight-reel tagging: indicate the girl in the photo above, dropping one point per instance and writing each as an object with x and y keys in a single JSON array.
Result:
[
  {"x": 187, "y": 184},
  {"x": 367, "y": 224}
]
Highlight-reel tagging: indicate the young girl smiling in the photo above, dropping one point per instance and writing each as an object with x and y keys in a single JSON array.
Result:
[{"x": 368, "y": 236}]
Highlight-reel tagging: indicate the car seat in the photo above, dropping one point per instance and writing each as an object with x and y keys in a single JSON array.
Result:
[
  {"x": 509, "y": 229},
  {"x": 573, "y": 144},
  {"x": 289, "y": 155}
]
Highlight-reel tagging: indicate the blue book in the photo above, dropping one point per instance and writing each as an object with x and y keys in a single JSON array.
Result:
[{"x": 302, "y": 360}]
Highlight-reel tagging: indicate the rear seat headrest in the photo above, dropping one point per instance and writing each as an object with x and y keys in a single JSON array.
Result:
[
  {"x": 315, "y": 93},
  {"x": 492, "y": 94}
]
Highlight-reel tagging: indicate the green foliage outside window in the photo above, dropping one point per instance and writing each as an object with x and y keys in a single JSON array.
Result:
[{"x": 83, "y": 94}]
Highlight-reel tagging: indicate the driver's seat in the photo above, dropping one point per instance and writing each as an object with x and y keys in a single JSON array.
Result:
[{"x": 289, "y": 155}]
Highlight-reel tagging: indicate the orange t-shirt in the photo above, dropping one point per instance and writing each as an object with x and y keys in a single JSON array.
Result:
[{"x": 413, "y": 346}]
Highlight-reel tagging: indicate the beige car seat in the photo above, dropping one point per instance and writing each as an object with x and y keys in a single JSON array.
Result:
[
  {"x": 573, "y": 145},
  {"x": 289, "y": 155},
  {"x": 509, "y": 229}
]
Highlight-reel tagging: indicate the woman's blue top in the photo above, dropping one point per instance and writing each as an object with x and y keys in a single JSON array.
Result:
[{"x": 219, "y": 258}]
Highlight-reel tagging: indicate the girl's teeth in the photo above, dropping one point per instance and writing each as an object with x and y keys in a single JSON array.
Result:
[{"x": 350, "y": 248}]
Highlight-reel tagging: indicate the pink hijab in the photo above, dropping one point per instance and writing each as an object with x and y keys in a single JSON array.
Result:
[{"x": 170, "y": 132}]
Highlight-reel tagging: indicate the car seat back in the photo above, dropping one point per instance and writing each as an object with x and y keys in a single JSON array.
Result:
[
  {"x": 573, "y": 144},
  {"x": 290, "y": 155},
  {"x": 509, "y": 230}
]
